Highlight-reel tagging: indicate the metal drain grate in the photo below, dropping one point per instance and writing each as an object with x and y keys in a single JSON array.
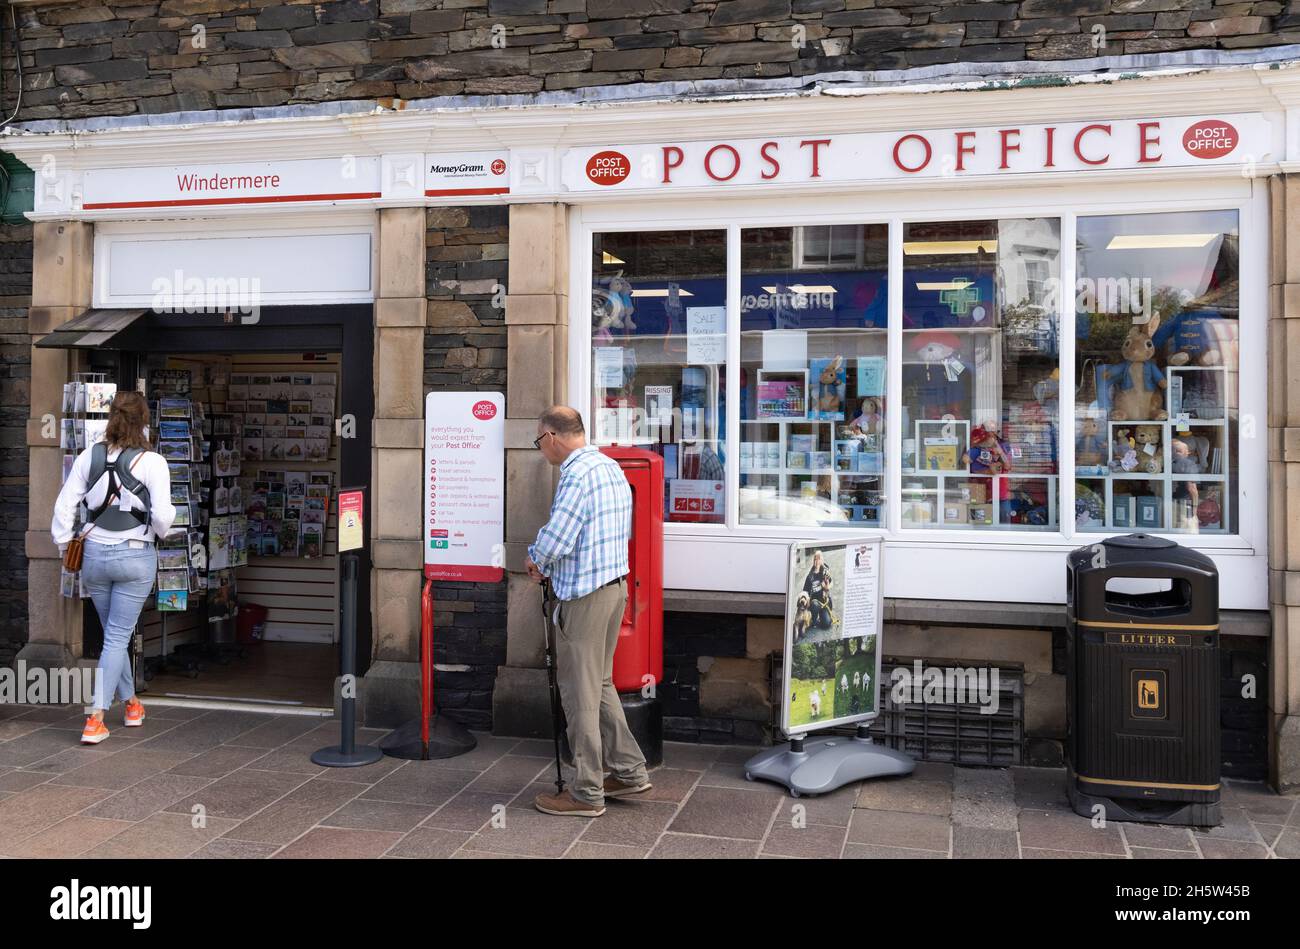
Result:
[{"x": 956, "y": 732}]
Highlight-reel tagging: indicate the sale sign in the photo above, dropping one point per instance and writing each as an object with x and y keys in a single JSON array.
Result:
[{"x": 464, "y": 486}]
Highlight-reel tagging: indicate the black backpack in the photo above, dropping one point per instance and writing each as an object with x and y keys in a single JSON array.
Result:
[{"x": 110, "y": 515}]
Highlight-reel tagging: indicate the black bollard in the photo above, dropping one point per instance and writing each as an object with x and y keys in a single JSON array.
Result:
[{"x": 346, "y": 754}]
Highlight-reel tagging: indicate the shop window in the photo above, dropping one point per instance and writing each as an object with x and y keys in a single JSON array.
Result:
[
  {"x": 813, "y": 343},
  {"x": 658, "y": 359},
  {"x": 980, "y": 375},
  {"x": 1156, "y": 415}
]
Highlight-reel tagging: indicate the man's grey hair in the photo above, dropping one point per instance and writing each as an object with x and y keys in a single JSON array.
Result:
[{"x": 563, "y": 420}]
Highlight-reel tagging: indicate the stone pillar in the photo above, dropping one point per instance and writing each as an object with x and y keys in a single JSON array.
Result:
[
  {"x": 537, "y": 324},
  {"x": 62, "y": 257},
  {"x": 1284, "y": 482},
  {"x": 390, "y": 692}
]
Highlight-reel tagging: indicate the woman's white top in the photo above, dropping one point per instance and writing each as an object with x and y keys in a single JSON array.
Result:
[{"x": 150, "y": 468}]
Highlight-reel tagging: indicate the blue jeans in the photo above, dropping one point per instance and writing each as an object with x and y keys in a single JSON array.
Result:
[{"x": 118, "y": 578}]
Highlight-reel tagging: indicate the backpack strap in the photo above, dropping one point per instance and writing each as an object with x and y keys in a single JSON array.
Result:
[{"x": 109, "y": 516}]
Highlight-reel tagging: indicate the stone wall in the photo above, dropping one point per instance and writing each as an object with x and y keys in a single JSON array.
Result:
[
  {"x": 120, "y": 57},
  {"x": 15, "y": 398},
  {"x": 465, "y": 348}
]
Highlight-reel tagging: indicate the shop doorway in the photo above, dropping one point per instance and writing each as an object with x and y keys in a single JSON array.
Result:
[{"x": 278, "y": 412}]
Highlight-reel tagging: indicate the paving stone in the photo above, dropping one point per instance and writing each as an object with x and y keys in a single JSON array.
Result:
[
  {"x": 149, "y": 796},
  {"x": 200, "y": 734},
  {"x": 1040, "y": 788},
  {"x": 1035, "y": 853},
  {"x": 217, "y": 762},
  {"x": 415, "y": 784},
  {"x": 815, "y": 841},
  {"x": 530, "y": 832},
  {"x": 161, "y": 836},
  {"x": 1053, "y": 830},
  {"x": 1287, "y": 844},
  {"x": 854, "y": 851},
  {"x": 508, "y": 775},
  {"x": 430, "y": 843},
  {"x": 287, "y": 758},
  {"x": 1221, "y": 849},
  {"x": 226, "y": 849},
  {"x": 32, "y": 811},
  {"x": 1147, "y": 853},
  {"x": 900, "y": 829},
  {"x": 686, "y": 757},
  {"x": 699, "y": 847},
  {"x": 121, "y": 770},
  {"x": 295, "y": 813},
  {"x": 468, "y": 810},
  {"x": 670, "y": 784},
  {"x": 727, "y": 812},
  {"x": 15, "y": 780},
  {"x": 585, "y": 851},
  {"x": 279, "y": 731},
  {"x": 340, "y": 843},
  {"x": 982, "y": 843},
  {"x": 70, "y": 837},
  {"x": 984, "y": 797},
  {"x": 1236, "y": 826},
  {"x": 240, "y": 794},
  {"x": 833, "y": 808},
  {"x": 18, "y": 727},
  {"x": 27, "y": 750},
  {"x": 366, "y": 774},
  {"x": 1157, "y": 836},
  {"x": 906, "y": 794},
  {"x": 533, "y": 748},
  {"x": 378, "y": 815},
  {"x": 464, "y": 854},
  {"x": 635, "y": 823}
]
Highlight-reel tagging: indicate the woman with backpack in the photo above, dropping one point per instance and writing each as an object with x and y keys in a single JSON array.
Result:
[{"x": 116, "y": 502}]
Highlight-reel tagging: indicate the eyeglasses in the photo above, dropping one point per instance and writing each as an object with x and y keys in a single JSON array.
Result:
[{"x": 537, "y": 442}]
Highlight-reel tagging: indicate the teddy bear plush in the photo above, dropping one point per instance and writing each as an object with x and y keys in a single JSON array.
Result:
[
  {"x": 1190, "y": 338},
  {"x": 1123, "y": 453},
  {"x": 987, "y": 453},
  {"x": 1147, "y": 442},
  {"x": 1138, "y": 382}
]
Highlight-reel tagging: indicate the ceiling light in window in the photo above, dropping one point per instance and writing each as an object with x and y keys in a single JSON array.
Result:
[
  {"x": 803, "y": 288},
  {"x": 925, "y": 248},
  {"x": 651, "y": 292},
  {"x": 1158, "y": 241},
  {"x": 944, "y": 285}
]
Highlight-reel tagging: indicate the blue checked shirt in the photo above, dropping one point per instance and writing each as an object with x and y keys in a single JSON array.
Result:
[{"x": 584, "y": 544}]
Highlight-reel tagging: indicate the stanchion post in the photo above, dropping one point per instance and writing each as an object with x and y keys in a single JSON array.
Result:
[{"x": 346, "y": 754}]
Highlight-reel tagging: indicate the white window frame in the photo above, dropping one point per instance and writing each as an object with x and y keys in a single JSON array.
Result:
[{"x": 1015, "y": 566}]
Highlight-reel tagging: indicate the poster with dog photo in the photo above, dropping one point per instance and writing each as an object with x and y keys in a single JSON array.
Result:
[{"x": 832, "y": 634}]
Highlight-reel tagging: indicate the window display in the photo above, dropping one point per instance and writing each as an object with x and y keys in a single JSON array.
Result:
[
  {"x": 1156, "y": 321},
  {"x": 813, "y": 332},
  {"x": 658, "y": 359},
  {"x": 980, "y": 374}
]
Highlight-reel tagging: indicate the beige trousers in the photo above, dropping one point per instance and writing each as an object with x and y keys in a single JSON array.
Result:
[{"x": 584, "y": 665}]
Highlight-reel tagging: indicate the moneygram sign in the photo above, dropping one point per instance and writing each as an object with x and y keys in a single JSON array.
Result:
[{"x": 910, "y": 154}]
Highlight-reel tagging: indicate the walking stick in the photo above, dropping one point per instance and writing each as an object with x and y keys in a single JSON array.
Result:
[{"x": 548, "y": 605}]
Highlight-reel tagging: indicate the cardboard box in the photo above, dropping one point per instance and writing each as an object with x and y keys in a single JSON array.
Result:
[
  {"x": 979, "y": 491},
  {"x": 956, "y": 511},
  {"x": 980, "y": 512}
]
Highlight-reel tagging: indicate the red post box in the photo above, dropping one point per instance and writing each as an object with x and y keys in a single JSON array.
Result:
[{"x": 639, "y": 658}]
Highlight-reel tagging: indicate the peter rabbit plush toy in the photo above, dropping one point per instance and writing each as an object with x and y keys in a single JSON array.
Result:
[{"x": 1139, "y": 383}]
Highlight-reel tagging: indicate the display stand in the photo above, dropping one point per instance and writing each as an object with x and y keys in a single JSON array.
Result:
[
  {"x": 824, "y": 684},
  {"x": 824, "y": 764}
]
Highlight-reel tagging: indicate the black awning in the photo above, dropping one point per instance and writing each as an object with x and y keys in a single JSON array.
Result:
[{"x": 90, "y": 330}]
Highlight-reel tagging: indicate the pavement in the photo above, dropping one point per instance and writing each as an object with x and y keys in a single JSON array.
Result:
[{"x": 195, "y": 783}]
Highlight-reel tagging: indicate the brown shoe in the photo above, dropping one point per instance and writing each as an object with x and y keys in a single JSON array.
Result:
[
  {"x": 566, "y": 805},
  {"x": 616, "y": 788}
]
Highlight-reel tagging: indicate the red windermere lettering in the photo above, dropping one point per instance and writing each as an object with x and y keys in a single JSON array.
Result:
[{"x": 226, "y": 182}]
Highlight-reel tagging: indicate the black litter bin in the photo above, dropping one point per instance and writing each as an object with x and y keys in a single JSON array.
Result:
[{"x": 1143, "y": 682}]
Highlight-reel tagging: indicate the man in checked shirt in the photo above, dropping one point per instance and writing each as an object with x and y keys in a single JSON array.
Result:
[{"x": 583, "y": 550}]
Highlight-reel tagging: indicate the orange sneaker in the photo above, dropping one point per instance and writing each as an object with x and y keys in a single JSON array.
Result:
[
  {"x": 134, "y": 713},
  {"x": 94, "y": 732}
]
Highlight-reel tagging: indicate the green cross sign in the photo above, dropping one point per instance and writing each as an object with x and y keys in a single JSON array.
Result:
[{"x": 961, "y": 299}]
